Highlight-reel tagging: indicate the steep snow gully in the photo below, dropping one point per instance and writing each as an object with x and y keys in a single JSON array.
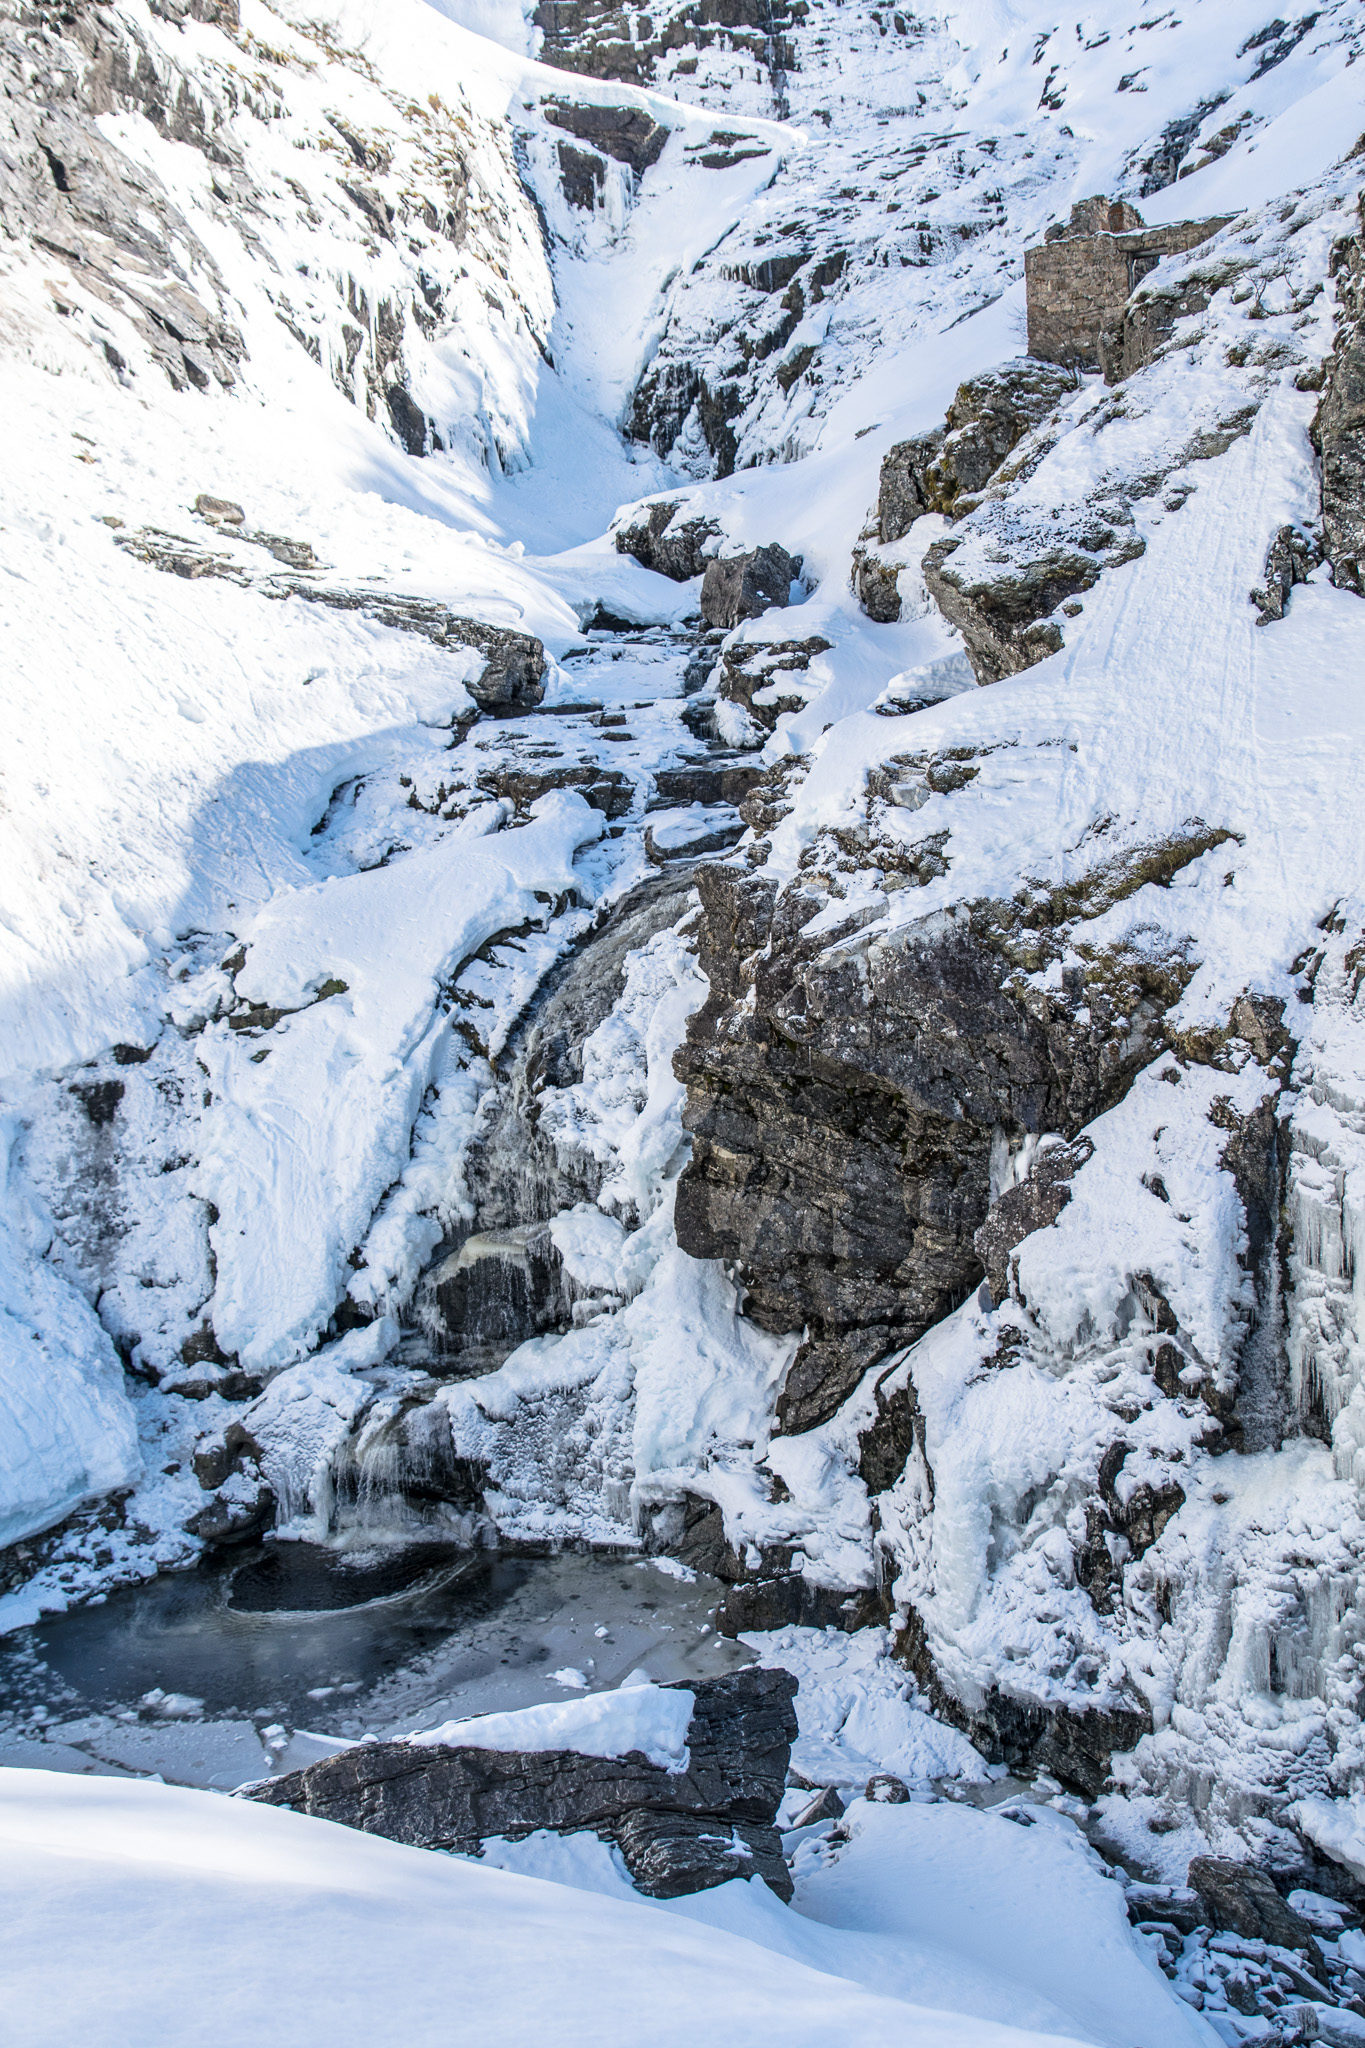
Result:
[{"x": 681, "y": 958}]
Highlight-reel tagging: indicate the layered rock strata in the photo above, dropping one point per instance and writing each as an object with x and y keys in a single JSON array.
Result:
[
  {"x": 1079, "y": 279},
  {"x": 845, "y": 1093}
]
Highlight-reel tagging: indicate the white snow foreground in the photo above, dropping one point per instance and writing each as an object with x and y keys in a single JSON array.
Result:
[{"x": 140, "y": 1912}]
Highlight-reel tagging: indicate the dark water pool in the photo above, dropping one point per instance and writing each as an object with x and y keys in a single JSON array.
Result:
[{"x": 352, "y": 1641}]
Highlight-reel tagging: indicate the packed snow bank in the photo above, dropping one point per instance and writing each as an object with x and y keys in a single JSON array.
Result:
[
  {"x": 295, "y": 1183},
  {"x": 1003, "y": 1918},
  {"x": 650, "y": 1718},
  {"x": 139, "y": 1912},
  {"x": 67, "y": 1432}
]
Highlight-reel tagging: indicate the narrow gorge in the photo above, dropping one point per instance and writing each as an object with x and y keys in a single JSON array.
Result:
[{"x": 681, "y": 949}]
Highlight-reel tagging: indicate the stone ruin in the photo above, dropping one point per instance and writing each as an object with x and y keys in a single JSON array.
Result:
[{"x": 1080, "y": 277}]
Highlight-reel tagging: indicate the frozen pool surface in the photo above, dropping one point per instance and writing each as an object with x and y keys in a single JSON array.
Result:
[{"x": 267, "y": 1660}]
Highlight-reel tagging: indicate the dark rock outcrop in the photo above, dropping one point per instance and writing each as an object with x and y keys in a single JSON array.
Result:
[
  {"x": 1339, "y": 427},
  {"x": 628, "y": 134},
  {"x": 1241, "y": 1898},
  {"x": 583, "y": 175},
  {"x": 746, "y": 586},
  {"x": 901, "y": 493},
  {"x": 707, "y": 782},
  {"x": 607, "y": 789},
  {"x": 1291, "y": 558},
  {"x": 843, "y": 1096},
  {"x": 674, "y": 547},
  {"x": 988, "y": 418},
  {"x": 1031, "y": 1206},
  {"x": 679, "y": 1832},
  {"x": 876, "y": 584},
  {"x": 792, "y": 1601},
  {"x": 764, "y": 678},
  {"x": 1005, "y": 613}
]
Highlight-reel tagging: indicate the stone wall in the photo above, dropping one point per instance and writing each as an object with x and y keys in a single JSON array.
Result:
[{"x": 1079, "y": 280}]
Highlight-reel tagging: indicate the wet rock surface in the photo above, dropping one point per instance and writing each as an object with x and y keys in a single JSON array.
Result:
[{"x": 679, "y": 1832}]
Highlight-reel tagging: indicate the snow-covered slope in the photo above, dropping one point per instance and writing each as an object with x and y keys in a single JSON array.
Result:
[
  {"x": 168, "y": 1914},
  {"x": 343, "y": 363}
]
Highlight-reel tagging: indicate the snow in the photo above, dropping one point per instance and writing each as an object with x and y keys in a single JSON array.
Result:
[
  {"x": 141, "y": 1911},
  {"x": 1338, "y": 1827},
  {"x": 858, "y": 1712},
  {"x": 652, "y": 1719}
]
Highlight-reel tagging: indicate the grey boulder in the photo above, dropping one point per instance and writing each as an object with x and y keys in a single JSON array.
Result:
[
  {"x": 678, "y": 1832},
  {"x": 745, "y": 586}
]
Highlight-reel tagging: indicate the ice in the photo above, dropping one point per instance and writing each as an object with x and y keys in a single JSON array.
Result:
[{"x": 67, "y": 1429}]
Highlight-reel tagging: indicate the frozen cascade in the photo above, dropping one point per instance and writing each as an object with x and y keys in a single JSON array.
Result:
[
  {"x": 1327, "y": 1213},
  {"x": 504, "y": 1281}
]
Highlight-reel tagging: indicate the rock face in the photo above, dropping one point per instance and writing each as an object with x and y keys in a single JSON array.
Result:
[
  {"x": 946, "y": 470},
  {"x": 1339, "y": 428},
  {"x": 843, "y": 1096},
  {"x": 1032, "y": 1205},
  {"x": 603, "y": 39},
  {"x": 988, "y": 417},
  {"x": 626, "y": 133},
  {"x": 679, "y": 1833},
  {"x": 674, "y": 547},
  {"x": 1005, "y": 615},
  {"x": 1241, "y": 1898},
  {"x": 746, "y": 586},
  {"x": 583, "y": 174},
  {"x": 1080, "y": 277},
  {"x": 67, "y": 188}
]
